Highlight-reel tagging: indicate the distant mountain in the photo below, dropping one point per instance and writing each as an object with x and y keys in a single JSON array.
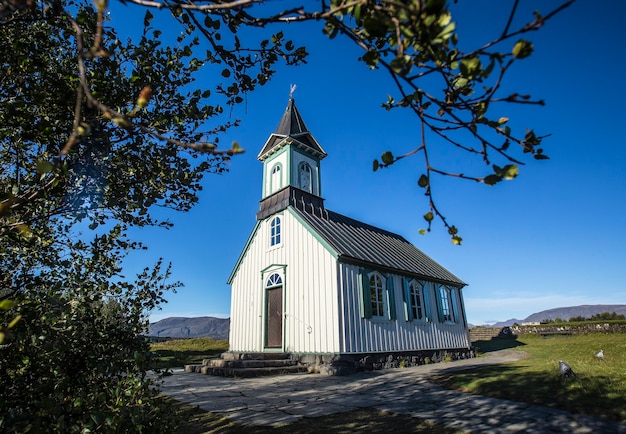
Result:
[
  {"x": 204, "y": 326},
  {"x": 586, "y": 311},
  {"x": 508, "y": 322},
  {"x": 565, "y": 313}
]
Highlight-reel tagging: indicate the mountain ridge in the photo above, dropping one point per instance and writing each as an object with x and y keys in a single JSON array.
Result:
[
  {"x": 565, "y": 313},
  {"x": 195, "y": 327}
]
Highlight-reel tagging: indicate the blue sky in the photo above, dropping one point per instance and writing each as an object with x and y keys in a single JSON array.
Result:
[{"x": 553, "y": 237}]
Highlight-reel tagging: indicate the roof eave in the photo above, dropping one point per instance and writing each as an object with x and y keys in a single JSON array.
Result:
[{"x": 355, "y": 261}]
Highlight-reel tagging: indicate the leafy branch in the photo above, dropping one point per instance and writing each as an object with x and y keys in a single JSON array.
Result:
[
  {"x": 416, "y": 42},
  {"x": 412, "y": 41}
]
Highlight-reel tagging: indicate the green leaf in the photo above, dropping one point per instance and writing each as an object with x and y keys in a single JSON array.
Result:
[
  {"x": 470, "y": 67},
  {"x": 375, "y": 165},
  {"x": 492, "y": 179},
  {"x": 522, "y": 49},
  {"x": 401, "y": 65},
  {"x": 456, "y": 240},
  {"x": 375, "y": 26},
  {"x": 371, "y": 58},
  {"x": 423, "y": 181},
  {"x": 44, "y": 167},
  {"x": 460, "y": 82},
  {"x": 422, "y": 231},
  {"x": 14, "y": 321},
  {"x": 387, "y": 158},
  {"x": 6, "y": 304},
  {"x": 510, "y": 172},
  {"x": 147, "y": 18},
  {"x": 429, "y": 216}
]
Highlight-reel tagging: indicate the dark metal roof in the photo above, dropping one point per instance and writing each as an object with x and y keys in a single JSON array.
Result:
[
  {"x": 291, "y": 123},
  {"x": 291, "y": 130},
  {"x": 288, "y": 196},
  {"x": 368, "y": 245}
]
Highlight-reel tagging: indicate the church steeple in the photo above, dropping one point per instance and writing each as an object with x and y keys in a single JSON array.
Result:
[{"x": 291, "y": 156}]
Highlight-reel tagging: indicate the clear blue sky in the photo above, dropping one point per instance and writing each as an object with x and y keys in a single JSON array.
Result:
[{"x": 553, "y": 237}]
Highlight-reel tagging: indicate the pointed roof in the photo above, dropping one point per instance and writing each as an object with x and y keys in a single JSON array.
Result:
[
  {"x": 291, "y": 123},
  {"x": 291, "y": 131}
]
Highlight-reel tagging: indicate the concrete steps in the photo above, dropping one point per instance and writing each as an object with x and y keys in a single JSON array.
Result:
[{"x": 247, "y": 365}]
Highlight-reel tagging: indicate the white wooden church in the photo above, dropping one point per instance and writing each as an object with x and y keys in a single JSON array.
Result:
[{"x": 330, "y": 289}]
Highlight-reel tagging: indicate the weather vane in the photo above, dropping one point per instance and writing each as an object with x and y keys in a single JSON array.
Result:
[{"x": 292, "y": 89}]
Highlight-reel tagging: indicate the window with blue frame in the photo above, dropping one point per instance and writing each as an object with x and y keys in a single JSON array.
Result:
[
  {"x": 275, "y": 235},
  {"x": 416, "y": 294},
  {"x": 444, "y": 302},
  {"x": 377, "y": 295},
  {"x": 377, "y": 299}
]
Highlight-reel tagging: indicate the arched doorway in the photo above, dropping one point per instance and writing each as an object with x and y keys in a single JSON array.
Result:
[{"x": 274, "y": 312}]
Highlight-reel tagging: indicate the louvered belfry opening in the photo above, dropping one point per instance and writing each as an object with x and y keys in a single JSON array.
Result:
[{"x": 274, "y": 329}]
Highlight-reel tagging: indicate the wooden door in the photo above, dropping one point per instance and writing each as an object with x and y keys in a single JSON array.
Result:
[{"x": 274, "y": 318}]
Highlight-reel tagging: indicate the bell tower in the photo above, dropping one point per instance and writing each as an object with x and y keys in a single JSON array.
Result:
[{"x": 291, "y": 156}]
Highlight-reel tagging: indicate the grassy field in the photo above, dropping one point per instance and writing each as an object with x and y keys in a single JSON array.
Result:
[
  {"x": 179, "y": 352},
  {"x": 599, "y": 388}
]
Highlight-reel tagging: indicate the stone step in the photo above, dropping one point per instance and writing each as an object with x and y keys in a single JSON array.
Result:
[
  {"x": 253, "y": 372},
  {"x": 221, "y": 363},
  {"x": 254, "y": 356},
  {"x": 245, "y": 365}
]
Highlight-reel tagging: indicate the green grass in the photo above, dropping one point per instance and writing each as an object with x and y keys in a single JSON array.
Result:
[
  {"x": 598, "y": 390},
  {"x": 179, "y": 352}
]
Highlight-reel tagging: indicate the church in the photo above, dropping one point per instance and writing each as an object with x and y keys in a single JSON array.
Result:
[{"x": 329, "y": 290}]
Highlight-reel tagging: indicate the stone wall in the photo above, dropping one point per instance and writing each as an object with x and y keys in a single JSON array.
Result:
[
  {"x": 487, "y": 333},
  {"x": 347, "y": 364},
  {"x": 571, "y": 329}
]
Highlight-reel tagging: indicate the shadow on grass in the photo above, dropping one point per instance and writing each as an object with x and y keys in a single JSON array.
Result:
[
  {"x": 584, "y": 395},
  {"x": 496, "y": 344}
]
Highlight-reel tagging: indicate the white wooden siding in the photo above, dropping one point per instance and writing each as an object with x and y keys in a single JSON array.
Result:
[
  {"x": 247, "y": 308},
  {"x": 318, "y": 316},
  {"x": 361, "y": 335},
  {"x": 310, "y": 320}
]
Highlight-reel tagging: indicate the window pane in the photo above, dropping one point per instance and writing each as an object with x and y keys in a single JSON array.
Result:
[
  {"x": 445, "y": 303},
  {"x": 376, "y": 294},
  {"x": 417, "y": 300},
  {"x": 274, "y": 280},
  {"x": 275, "y": 231}
]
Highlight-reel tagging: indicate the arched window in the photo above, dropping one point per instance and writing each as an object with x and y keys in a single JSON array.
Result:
[
  {"x": 445, "y": 307},
  {"x": 275, "y": 231},
  {"x": 377, "y": 295},
  {"x": 274, "y": 280},
  {"x": 305, "y": 177},
  {"x": 276, "y": 181},
  {"x": 377, "y": 299},
  {"x": 416, "y": 291}
]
